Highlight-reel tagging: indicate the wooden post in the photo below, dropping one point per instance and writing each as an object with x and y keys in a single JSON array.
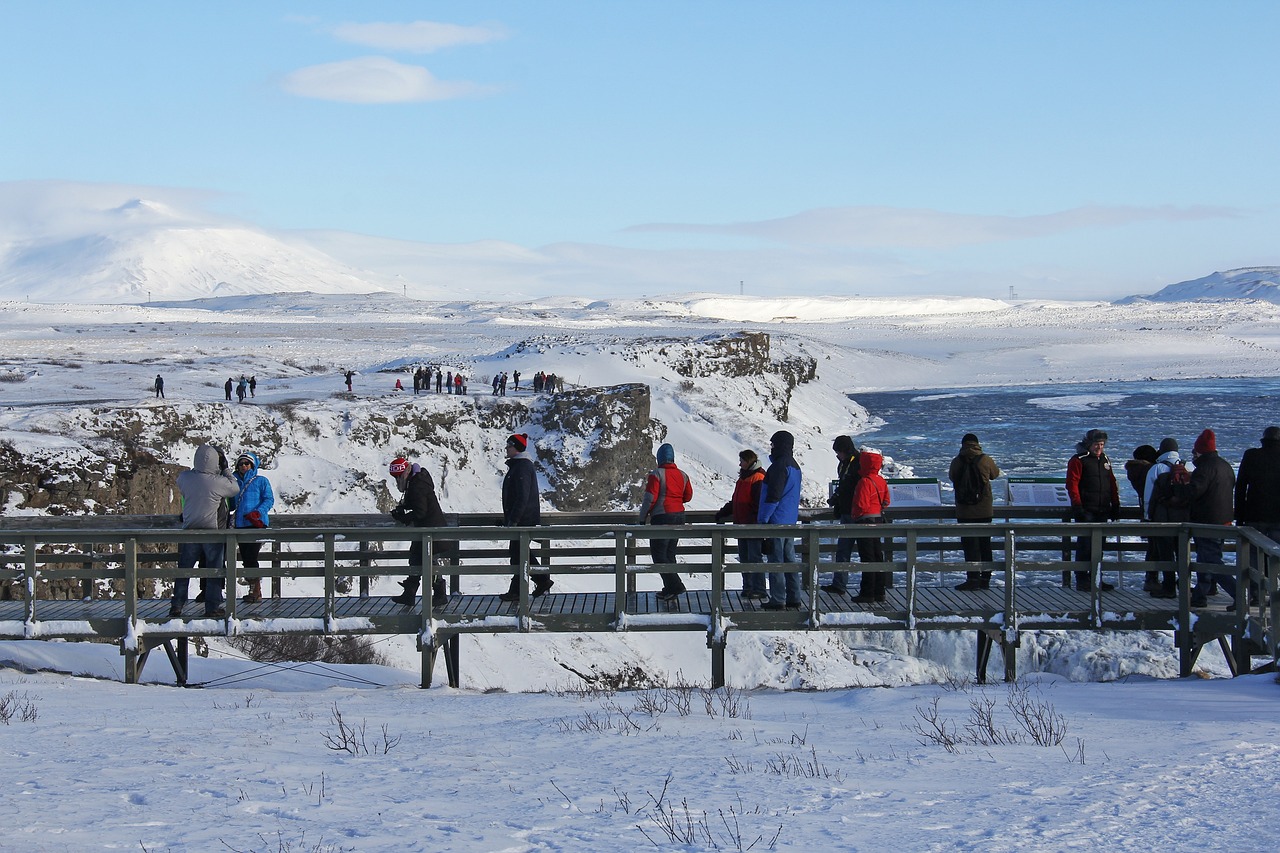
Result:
[
  {"x": 364, "y": 563},
  {"x": 132, "y": 662},
  {"x": 330, "y": 583},
  {"x": 1188, "y": 649},
  {"x": 715, "y": 639}
]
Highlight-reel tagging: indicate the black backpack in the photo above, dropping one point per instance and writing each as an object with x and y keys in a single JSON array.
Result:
[{"x": 971, "y": 488}]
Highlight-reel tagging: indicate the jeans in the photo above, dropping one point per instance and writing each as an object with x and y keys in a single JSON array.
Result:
[
  {"x": 1209, "y": 550},
  {"x": 784, "y": 587},
  {"x": 749, "y": 552},
  {"x": 209, "y": 555}
]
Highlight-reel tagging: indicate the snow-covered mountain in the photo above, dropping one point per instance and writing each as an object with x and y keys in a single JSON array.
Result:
[
  {"x": 59, "y": 243},
  {"x": 1247, "y": 283}
]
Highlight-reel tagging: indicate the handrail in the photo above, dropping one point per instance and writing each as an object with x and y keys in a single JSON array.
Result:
[{"x": 569, "y": 545}]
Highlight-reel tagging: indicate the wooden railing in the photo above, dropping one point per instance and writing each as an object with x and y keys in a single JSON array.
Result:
[{"x": 351, "y": 552}]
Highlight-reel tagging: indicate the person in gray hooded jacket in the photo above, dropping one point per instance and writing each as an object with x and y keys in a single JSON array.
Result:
[{"x": 205, "y": 489}]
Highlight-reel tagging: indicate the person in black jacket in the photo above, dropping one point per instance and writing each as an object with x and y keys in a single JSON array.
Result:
[
  {"x": 521, "y": 507},
  {"x": 841, "y": 502},
  {"x": 1258, "y": 486},
  {"x": 420, "y": 508},
  {"x": 1213, "y": 486}
]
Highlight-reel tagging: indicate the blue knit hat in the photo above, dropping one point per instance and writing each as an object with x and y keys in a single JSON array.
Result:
[{"x": 666, "y": 454}]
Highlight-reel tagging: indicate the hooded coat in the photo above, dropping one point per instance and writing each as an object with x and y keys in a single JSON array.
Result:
[
  {"x": 780, "y": 494},
  {"x": 871, "y": 496},
  {"x": 205, "y": 489},
  {"x": 255, "y": 495}
]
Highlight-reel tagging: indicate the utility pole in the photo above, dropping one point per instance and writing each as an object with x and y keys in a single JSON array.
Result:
[{"x": 741, "y": 291}]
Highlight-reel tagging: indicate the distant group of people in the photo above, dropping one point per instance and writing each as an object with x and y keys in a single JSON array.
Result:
[
  {"x": 246, "y": 387},
  {"x": 446, "y": 381}
]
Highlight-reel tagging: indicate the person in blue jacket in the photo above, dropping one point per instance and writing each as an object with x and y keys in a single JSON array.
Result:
[
  {"x": 253, "y": 507},
  {"x": 780, "y": 504}
]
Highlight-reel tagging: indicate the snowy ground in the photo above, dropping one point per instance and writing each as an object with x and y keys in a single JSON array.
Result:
[
  {"x": 1141, "y": 765},
  {"x": 1146, "y": 764}
]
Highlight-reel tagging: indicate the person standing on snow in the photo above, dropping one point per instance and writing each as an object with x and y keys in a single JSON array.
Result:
[
  {"x": 253, "y": 507},
  {"x": 159, "y": 386}
]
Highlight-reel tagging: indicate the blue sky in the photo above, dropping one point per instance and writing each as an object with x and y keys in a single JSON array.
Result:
[{"x": 1063, "y": 149}]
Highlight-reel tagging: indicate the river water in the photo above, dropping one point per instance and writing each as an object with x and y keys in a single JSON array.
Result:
[{"x": 1032, "y": 430}]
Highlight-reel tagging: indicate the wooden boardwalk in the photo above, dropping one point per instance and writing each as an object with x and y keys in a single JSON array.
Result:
[{"x": 1025, "y": 593}]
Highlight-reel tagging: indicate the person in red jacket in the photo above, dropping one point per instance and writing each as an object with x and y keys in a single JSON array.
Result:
[
  {"x": 743, "y": 508},
  {"x": 1091, "y": 485},
  {"x": 666, "y": 490},
  {"x": 870, "y": 498}
]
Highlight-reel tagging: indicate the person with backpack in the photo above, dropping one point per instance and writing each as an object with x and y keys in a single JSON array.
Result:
[
  {"x": 1258, "y": 486},
  {"x": 1091, "y": 485},
  {"x": 971, "y": 473},
  {"x": 1165, "y": 498},
  {"x": 666, "y": 491},
  {"x": 1212, "y": 500}
]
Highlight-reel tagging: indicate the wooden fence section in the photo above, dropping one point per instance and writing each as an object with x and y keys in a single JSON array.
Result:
[{"x": 606, "y": 554}]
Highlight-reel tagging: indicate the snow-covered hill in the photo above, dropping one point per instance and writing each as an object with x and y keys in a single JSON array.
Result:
[
  {"x": 1248, "y": 283},
  {"x": 108, "y": 246}
]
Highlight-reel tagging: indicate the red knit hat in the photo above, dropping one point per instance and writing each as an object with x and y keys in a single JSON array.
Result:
[
  {"x": 520, "y": 441},
  {"x": 1206, "y": 443}
]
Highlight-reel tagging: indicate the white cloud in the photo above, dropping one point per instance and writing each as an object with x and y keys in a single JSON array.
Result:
[
  {"x": 893, "y": 227},
  {"x": 416, "y": 37},
  {"x": 375, "y": 80}
]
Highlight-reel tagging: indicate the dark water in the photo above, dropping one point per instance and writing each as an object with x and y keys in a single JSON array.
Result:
[{"x": 1031, "y": 430}]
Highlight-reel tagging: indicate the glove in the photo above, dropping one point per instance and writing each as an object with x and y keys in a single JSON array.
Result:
[
  {"x": 722, "y": 513},
  {"x": 255, "y": 518},
  {"x": 402, "y": 514},
  {"x": 766, "y": 548}
]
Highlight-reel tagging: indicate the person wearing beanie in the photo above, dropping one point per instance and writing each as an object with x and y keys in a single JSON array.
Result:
[
  {"x": 666, "y": 491},
  {"x": 1159, "y": 503},
  {"x": 780, "y": 504},
  {"x": 522, "y": 507},
  {"x": 1091, "y": 485},
  {"x": 1213, "y": 486},
  {"x": 841, "y": 502},
  {"x": 971, "y": 473},
  {"x": 419, "y": 507},
  {"x": 743, "y": 508}
]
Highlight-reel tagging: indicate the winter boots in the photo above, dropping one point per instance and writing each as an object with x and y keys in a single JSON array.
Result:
[
  {"x": 254, "y": 595},
  {"x": 439, "y": 595}
]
